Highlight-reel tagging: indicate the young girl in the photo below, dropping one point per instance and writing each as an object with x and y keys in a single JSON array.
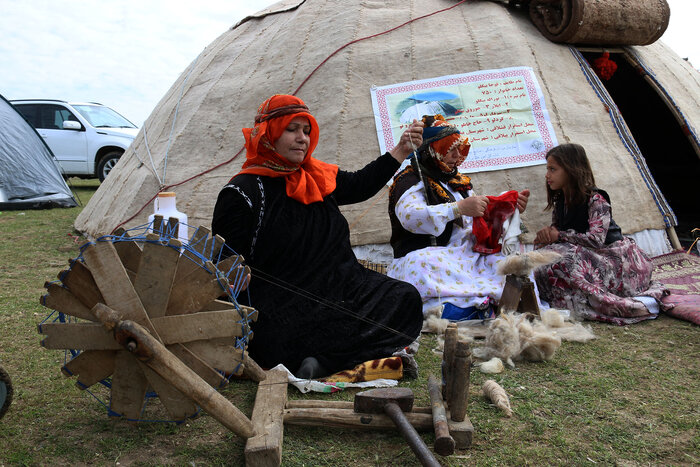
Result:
[{"x": 601, "y": 275}]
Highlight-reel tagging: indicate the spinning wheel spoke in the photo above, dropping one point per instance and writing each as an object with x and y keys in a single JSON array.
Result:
[
  {"x": 114, "y": 283},
  {"x": 195, "y": 290},
  {"x": 61, "y": 299},
  {"x": 85, "y": 336},
  {"x": 199, "y": 366},
  {"x": 129, "y": 387},
  {"x": 200, "y": 244},
  {"x": 156, "y": 273},
  {"x": 81, "y": 284},
  {"x": 129, "y": 253},
  {"x": 177, "y": 404},
  {"x": 194, "y": 327},
  {"x": 218, "y": 353},
  {"x": 91, "y": 367}
]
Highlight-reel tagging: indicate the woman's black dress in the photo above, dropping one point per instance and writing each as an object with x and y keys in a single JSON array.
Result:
[{"x": 313, "y": 297}]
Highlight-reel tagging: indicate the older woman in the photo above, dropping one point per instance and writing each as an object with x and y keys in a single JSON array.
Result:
[
  {"x": 433, "y": 210},
  {"x": 320, "y": 311}
]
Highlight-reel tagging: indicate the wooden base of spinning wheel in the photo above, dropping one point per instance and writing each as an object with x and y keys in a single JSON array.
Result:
[{"x": 518, "y": 295}]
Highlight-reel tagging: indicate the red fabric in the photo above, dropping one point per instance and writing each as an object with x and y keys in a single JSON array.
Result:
[
  {"x": 308, "y": 182},
  {"x": 685, "y": 307},
  {"x": 489, "y": 228},
  {"x": 679, "y": 272}
]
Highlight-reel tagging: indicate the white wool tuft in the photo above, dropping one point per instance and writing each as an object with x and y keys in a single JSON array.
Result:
[{"x": 523, "y": 264}]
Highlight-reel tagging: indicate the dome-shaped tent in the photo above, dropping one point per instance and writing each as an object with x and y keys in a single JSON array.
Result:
[{"x": 291, "y": 48}]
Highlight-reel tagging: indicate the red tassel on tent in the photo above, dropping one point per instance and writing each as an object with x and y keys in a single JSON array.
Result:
[{"x": 604, "y": 67}]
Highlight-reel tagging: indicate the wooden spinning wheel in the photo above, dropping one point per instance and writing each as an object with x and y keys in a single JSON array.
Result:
[{"x": 151, "y": 318}]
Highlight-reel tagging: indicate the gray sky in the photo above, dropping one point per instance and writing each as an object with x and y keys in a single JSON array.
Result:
[{"x": 127, "y": 53}]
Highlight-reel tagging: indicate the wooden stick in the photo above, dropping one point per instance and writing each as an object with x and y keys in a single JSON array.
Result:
[
  {"x": 147, "y": 349},
  {"x": 347, "y": 418},
  {"x": 461, "y": 367},
  {"x": 321, "y": 404},
  {"x": 444, "y": 443},
  {"x": 447, "y": 357},
  {"x": 252, "y": 370},
  {"x": 265, "y": 448}
]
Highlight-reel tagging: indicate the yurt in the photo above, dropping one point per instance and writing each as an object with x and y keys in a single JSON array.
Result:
[{"x": 637, "y": 122}]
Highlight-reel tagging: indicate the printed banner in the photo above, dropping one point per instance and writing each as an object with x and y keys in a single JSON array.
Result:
[{"x": 502, "y": 112}]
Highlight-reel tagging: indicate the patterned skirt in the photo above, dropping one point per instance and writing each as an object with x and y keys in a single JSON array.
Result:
[{"x": 599, "y": 284}]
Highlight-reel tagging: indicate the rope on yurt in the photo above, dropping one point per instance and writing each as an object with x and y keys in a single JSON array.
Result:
[
  {"x": 150, "y": 157},
  {"x": 626, "y": 138},
  {"x": 168, "y": 187},
  {"x": 177, "y": 108},
  {"x": 370, "y": 37}
]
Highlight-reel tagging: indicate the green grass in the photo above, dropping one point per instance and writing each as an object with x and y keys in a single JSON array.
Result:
[{"x": 630, "y": 397}]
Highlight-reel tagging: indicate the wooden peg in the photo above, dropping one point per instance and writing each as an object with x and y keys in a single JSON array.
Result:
[{"x": 459, "y": 382}]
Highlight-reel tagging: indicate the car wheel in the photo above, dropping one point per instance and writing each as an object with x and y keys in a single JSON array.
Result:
[
  {"x": 107, "y": 164},
  {"x": 5, "y": 391}
]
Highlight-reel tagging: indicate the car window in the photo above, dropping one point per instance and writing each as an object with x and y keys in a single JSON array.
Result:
[
  {"x": 29, "y": 112},
  {"x": 51, "y": 116},
  {"x": 103, "y": 117}
]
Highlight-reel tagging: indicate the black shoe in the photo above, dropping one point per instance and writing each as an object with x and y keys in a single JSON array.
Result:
[{"x": 310, "y": 368}]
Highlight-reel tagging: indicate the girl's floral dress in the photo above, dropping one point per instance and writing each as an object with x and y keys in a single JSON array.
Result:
[{"x": 597, "y": 281}]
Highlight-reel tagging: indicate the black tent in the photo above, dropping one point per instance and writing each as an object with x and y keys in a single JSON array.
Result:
[{"x": 30, "y": 177}]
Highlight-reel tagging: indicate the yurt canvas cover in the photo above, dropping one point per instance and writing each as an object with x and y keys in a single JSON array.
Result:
[
  {"x": 30, "y": 177},
  {"x": 331, "y": 53}
]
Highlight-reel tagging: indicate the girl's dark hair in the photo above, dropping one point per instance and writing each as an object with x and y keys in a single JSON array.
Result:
[{"x": 572, "y": 158}]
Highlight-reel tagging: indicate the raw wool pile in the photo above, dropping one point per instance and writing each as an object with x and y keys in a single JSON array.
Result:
[{"x": 523, "y": 336}]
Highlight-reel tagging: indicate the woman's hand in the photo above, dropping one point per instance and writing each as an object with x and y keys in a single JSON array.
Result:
[
  {"x": 547, "y": 235},
  {"x": 410, "y": 139},
  {"x": 523, "y": 196},
  {"x": 473, "y": 206}
]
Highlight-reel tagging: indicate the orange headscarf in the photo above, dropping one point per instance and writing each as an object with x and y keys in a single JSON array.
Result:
[{"x": 308, "y": 182}]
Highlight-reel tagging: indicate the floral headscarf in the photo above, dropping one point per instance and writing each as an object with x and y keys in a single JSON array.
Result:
[{"x": 308, "y": 182}]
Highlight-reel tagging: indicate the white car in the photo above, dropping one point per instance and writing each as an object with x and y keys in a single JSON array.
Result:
[{"x": 87, "y": 138}]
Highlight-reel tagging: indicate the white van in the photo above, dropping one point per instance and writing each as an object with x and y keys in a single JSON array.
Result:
[{"x": 87, "y": 138}]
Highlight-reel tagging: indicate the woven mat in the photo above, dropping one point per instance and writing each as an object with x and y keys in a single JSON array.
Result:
[{"x": 680, "y": 273}]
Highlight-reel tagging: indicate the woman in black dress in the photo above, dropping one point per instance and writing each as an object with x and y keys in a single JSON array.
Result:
[{"x": 320, "y": 311}]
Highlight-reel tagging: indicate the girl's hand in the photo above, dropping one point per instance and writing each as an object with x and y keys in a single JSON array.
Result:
[
  {"x": 410, "y": 139},
  {"x": 523, "y": 197},
  {"x": 547, "y": 235},
  {"x": 474, "y": 206}
]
